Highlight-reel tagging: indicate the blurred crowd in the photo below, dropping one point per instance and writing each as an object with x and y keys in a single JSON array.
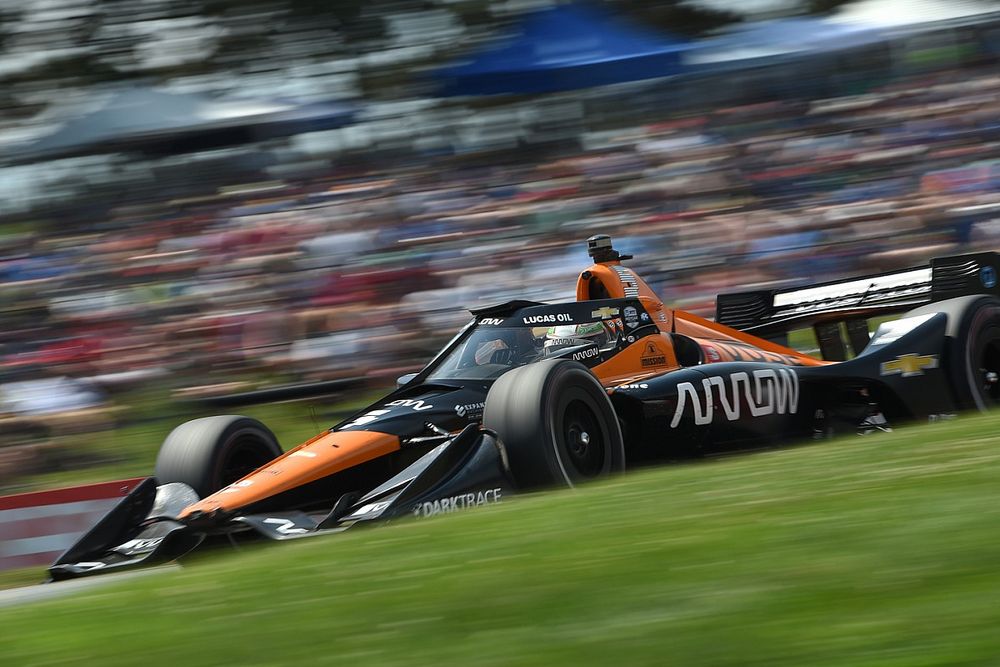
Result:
[{"x": 370, "y": 271}]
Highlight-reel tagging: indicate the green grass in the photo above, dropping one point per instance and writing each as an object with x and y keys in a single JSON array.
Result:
[
  {"x": 804, "y": 340},
  {"x": 25, "y": 576},
  {"x": 866, "y": 551}
]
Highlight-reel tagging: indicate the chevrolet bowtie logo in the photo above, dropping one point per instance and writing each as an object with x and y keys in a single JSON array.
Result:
[
  {"x": 604, "y": 313},
  {"x": 909, "y": 365}
]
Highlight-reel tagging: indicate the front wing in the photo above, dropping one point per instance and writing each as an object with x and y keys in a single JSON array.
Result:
[{"x": 466, "y": 471}]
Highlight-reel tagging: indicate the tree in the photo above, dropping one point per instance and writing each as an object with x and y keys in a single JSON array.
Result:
[
  {"x": 675, "y": 15},
  {"x": 824, "y": 6}
]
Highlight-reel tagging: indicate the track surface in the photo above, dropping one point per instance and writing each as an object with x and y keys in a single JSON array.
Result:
[{"x": 27, "y": 594}]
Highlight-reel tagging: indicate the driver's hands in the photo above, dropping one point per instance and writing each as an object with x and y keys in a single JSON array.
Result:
[{"x": 488, "y": 350}]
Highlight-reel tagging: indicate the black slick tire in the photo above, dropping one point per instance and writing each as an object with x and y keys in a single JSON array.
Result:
[
  {"x": 556, "y": 423},
  {"x": 974, "y": 355},
  {"x": 210, "y": 453}
]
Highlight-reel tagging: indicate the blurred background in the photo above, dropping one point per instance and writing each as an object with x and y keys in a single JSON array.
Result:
[{"x": 206, "y": 202}]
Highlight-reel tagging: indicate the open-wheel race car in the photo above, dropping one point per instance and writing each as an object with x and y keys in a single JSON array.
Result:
[{"x": 530, "y": 395}]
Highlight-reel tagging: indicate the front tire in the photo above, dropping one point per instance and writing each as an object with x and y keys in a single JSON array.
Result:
[
  {"x": 210, "y": 453},
  {"x": 557, "y": 424}
]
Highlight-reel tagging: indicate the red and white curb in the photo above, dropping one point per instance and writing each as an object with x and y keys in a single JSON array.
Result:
[{"x": 35, "y": 528}]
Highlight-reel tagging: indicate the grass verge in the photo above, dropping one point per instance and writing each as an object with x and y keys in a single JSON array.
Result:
[{"x": 865, "y": 551}]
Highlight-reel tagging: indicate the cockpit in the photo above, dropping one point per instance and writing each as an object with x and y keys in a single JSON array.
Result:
[
  {"x": 588, "y": 332},
  {"x": 488, "y": 352}
]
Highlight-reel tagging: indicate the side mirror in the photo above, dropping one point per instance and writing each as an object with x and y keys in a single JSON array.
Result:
[{"x": 405, "y": 379}]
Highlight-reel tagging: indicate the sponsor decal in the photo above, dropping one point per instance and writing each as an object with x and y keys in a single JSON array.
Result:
[
  {"x": 642, "y": 385},
  {"x": 140, "y": 546},
  {"x": 771, "y": 391},
  {"x": 909, "y": 365},
  {"x": 491, "y": 321},
  {"x": 460, "y": 502},
  {"x": 470, "y": 410},
  {"x": 644, "y": 316},
  {"x": 731, "y": 351},
  {"x": 652, "y": 356},
  {"x": 415, "y": 403},
  {"x": 631, "y": 316},
  {"x": 604, "y": 313},
  {"x": 371, "y": 509},
  {"x": 661, "y": 316},
  {"x": 711, "y": 353},
  {"x": 366, "y": 418},
  {"x": 846, "y": 293},
  {"x": 589, "y": 353},
  {"x": 629, "y": 282},
  {"x": 988, "y": 276},
  {"x": 285, "y": 526},
  {"x": 549, "y": 318}
]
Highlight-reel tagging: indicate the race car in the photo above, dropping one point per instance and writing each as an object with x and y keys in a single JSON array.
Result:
[{"x": 530, "y": 395}]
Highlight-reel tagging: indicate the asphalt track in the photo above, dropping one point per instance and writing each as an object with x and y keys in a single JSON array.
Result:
[{"x": 26, "y": 594}]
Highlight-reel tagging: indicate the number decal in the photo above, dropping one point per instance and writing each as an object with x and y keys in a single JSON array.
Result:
[
  {"x": 87, "y": 566},
  {"x": 285, "y": 526}
]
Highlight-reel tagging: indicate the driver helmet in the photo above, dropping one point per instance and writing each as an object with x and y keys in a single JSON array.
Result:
[{"x": 575, "y": 334}]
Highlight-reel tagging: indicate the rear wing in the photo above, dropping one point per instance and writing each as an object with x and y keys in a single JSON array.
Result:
[{"x": 772, "y": 314}]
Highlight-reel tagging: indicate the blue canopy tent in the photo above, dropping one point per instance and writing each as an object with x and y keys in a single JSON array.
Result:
[{"x": 564, "y": 48}]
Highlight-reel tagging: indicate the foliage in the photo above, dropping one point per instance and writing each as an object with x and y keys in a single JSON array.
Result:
[
  {"x": 677, "y": 16},
  {"x": 824, "y": 6}
]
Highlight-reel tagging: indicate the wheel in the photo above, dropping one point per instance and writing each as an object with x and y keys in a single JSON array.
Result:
[
  {"x": 972, "y": 350},
  {"x": 974, "y": 355},
  {"x": 557, "y": 424},
  {"x": 209, "y": 453}
]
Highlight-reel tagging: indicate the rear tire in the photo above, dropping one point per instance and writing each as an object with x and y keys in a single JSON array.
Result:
[
  {"x": 210, "y": 453},
  {"x": 974, "y": 355},
  {"x": 971, "y": 350},
  {"x": 556, "y": 423}
]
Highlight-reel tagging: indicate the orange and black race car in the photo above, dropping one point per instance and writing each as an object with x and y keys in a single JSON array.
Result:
[{"x": 529, "y": 395}]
